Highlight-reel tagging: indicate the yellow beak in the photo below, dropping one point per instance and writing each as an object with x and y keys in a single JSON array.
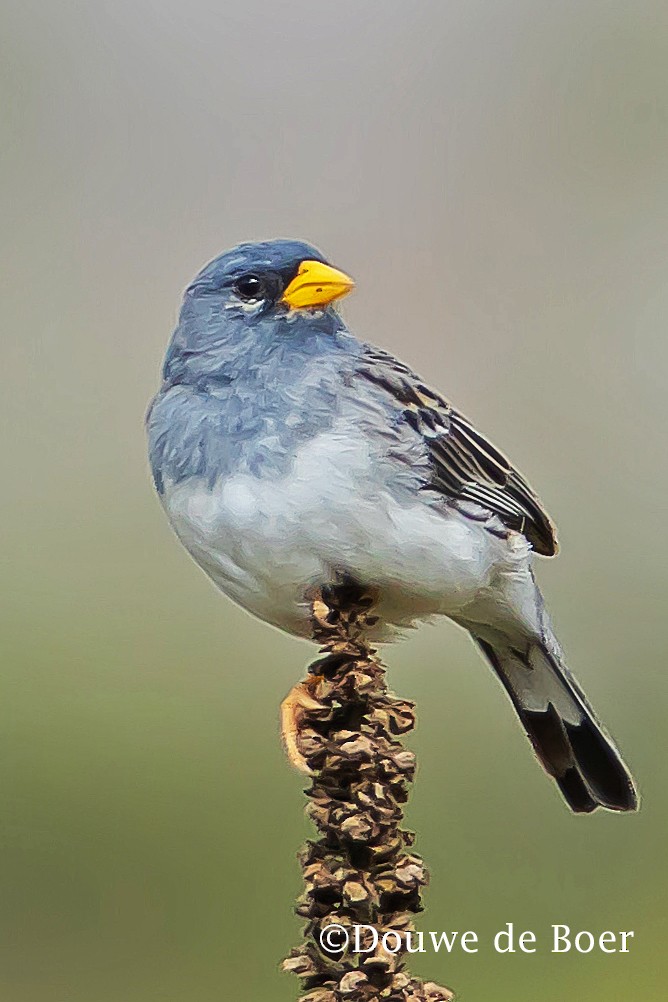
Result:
[{"x": 316, "y": 284}]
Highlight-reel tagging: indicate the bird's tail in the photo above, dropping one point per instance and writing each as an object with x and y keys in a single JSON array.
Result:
[{"x": 562, "y": 727}]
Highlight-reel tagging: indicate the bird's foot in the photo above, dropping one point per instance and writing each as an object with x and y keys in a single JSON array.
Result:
[{"x": 299, "y": 700}]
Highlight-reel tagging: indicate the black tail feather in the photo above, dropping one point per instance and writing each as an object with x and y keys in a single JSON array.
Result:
[{"x": 562, "y": 728}]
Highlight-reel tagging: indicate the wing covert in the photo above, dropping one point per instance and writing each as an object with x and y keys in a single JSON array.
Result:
[{"x": 465, "y": 464}]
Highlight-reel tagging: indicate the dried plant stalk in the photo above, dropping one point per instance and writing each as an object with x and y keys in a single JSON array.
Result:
[{"x": 362, "y": 870}]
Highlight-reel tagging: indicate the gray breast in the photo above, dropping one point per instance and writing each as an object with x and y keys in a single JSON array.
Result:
[{"x": 218, "y": 430}]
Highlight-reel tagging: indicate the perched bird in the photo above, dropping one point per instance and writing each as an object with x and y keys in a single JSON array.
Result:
[{"x": 289, "y": 455}]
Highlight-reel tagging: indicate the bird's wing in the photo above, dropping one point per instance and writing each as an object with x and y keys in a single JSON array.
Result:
[{"x": 466, "y": 467}]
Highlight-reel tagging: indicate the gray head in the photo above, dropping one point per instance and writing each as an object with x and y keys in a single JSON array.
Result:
[{"x": 249, "y": 300}]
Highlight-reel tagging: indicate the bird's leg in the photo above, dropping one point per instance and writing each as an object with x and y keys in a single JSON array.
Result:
[{"x": 299, "y": 699}]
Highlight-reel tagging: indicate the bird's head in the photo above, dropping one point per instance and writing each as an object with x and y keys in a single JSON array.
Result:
[
  {"x": 254, "y": 300},
  {"x": 256, "y": 281}
]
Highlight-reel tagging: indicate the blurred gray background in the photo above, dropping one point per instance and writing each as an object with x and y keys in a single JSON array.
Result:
[{"x": 495, "y": 176}]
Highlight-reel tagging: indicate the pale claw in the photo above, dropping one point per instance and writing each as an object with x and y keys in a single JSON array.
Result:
[{"x": 293, "y": 706}]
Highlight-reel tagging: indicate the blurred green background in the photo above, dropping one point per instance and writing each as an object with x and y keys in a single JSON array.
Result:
[{"x": 495, "y": 176}]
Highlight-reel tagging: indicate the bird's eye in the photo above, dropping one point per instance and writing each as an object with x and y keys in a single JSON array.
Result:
[{"x": 249, "y": 287}]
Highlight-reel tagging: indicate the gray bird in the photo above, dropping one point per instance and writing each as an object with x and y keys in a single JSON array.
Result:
[{"x": 289, "y": 455}]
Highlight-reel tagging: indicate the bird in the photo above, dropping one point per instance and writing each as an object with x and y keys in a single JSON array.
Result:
[{"x": 289, "y": 455}]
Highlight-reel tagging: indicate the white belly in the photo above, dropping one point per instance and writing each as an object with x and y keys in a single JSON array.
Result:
[{"x": 268, "y": 543}]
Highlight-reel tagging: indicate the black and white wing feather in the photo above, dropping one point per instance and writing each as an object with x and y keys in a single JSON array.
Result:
[{"x": 465, "y": 465}]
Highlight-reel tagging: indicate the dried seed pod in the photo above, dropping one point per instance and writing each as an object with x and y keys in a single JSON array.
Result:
[
  {"x": 360, "y": 872},
  {"x": 352, "y": 981}
]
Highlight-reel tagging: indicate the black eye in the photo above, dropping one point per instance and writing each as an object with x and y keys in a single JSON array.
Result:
[{"x": 249, "y": 287}]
